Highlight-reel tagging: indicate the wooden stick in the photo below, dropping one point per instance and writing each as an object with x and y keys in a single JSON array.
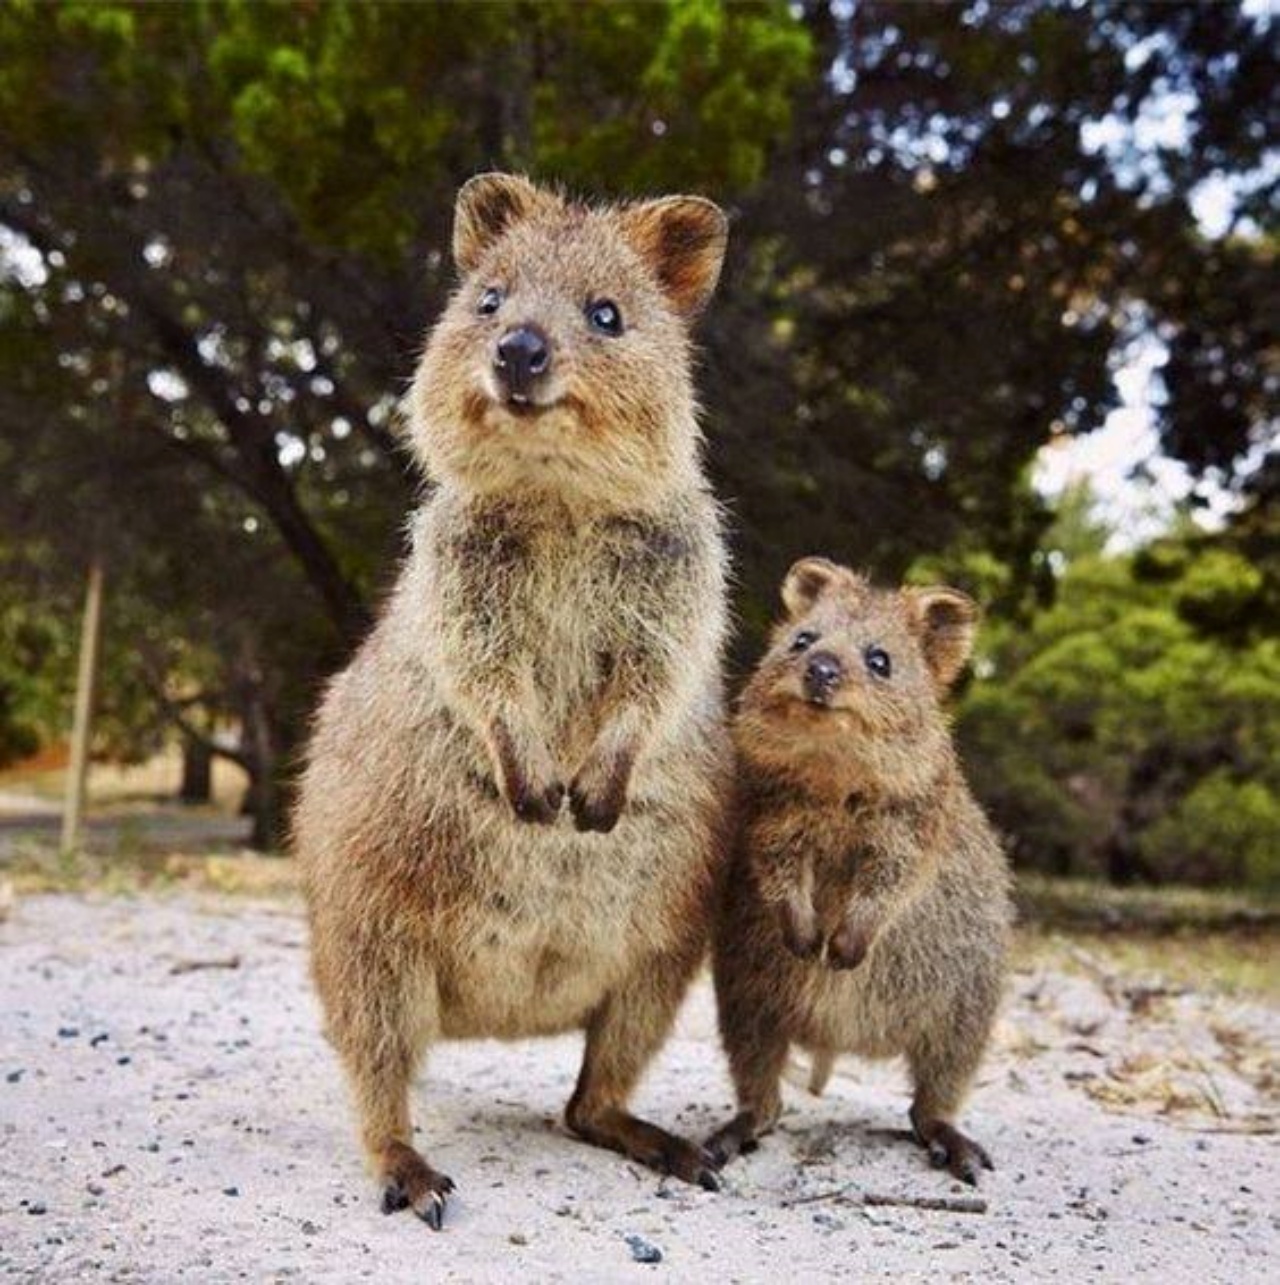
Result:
[
  {"x": 871, "y": 1199},
  {"x": 82, "y": 730},
  {"x": 196, "y": 965}
]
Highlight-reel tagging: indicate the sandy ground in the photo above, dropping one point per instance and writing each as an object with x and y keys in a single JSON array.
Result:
[{"x": 159, "y": 1125}]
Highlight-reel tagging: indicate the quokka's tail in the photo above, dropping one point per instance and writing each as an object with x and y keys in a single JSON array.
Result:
[{"x": 820, "y": 1070}]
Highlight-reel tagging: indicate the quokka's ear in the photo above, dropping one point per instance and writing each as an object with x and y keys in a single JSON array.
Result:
[
  {"x": 487, "y": 206},
  {"x": 807, "y": 581},
  {"x": 682, "y": 239},
  {"x": 946, "y": 621}
]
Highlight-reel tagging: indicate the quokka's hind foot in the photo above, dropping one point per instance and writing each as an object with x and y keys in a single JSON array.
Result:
[
  {"x": 737, "y": 1138},
  {"x": 951, "y": 1150},
  {"x": 646, "y": 1143},
  {"x": 410, "y": 1183}
]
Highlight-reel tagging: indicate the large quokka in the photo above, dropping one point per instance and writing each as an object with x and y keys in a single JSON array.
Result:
[
  {"x": 512, "y": 818},
  {"x": 867, "y": 907}
]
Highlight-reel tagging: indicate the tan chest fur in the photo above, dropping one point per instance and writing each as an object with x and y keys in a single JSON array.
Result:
[
  {"x": 526, "y": 926},
  {"x": 942, "y": 950}
]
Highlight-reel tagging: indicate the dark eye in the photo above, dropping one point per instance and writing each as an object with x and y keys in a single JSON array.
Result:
[
  {"x": 877, "y": 662},
  {"x": 490, "y": 302},
  {"x": 804, "y": 640},
  {"x": 605, "y": 316}
]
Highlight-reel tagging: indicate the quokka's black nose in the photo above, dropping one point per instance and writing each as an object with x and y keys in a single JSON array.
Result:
[
  {"x": 522, "y": 357},
  {"x": 822, "y": 675}
]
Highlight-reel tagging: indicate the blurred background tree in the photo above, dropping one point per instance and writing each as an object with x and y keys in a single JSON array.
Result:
[{"x": 224, "y": 231}]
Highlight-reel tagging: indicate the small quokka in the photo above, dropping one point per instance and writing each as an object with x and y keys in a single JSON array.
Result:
[
  {"x": 513, "y": 816},
  {"x": 867, "y": 906}
]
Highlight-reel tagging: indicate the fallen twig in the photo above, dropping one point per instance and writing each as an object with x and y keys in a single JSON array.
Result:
[
  {"x": 197, "y": 965},
  {"x": 939, "y": 1204}
]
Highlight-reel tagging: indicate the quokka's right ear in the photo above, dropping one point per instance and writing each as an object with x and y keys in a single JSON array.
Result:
[
  {"x": 487, "y": 206},
  {"x": 807, "y": 580}
]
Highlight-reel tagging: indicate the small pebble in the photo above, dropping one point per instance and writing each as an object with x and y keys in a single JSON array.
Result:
[
  {"x": 68, "y": 1032},
  {"x": 518, "y": 1238},
  {"x": 231, "y": 1191},
  {"x": 14, "y": 1076},
  {"x": 642, "y": 1251},
  {"x": 37, "y": 1207}
]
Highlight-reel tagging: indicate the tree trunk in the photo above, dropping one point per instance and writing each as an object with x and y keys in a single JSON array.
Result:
[
  {"x": 197, "y": 772},
  {"x": 264, "y": 799}
]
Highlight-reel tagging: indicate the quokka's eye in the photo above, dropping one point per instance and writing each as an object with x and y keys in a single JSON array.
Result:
[
  {"x": 605, "y": 316},
  {"x": 804, "y": 640},
  {"x": 877, "y": 662},
  {"x": 490, "y": 302}
]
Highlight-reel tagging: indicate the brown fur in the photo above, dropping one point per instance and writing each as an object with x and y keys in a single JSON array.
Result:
[
  {"x": 867, "y": 908},
  {"x": 511, "y": 822}
]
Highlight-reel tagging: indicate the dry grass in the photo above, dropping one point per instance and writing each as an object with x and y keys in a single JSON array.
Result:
[
  {"x": 1232, "y": 961},
  {"x": 42, "y": 869},
  {"x": 1091, "y": 906}
]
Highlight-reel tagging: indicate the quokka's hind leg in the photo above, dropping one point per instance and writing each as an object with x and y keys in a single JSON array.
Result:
[
  {"x": 623, "y": 1034},
  {"x": 381, "y": 1011},
  {"x": 943, "y": 1064},
  {"x": 757, "y": 1050}
]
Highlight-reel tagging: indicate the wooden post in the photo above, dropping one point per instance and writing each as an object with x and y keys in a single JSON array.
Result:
[{"x": 86, "y": 680}]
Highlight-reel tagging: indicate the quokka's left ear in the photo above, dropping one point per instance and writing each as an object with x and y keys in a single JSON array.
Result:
[
  {"x": 947, "y": 621},
  {"x": 682, "y": 239}
]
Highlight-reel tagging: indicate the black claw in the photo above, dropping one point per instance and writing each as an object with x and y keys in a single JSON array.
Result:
[
  {"x": 431, "y": 1210},
  {"x": 708, "y": 1180},
  {"x": 937, "y": 1155},
  {"x": 393, "y": 1198}
]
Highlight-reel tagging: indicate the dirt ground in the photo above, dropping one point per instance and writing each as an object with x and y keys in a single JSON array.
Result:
[{"x": 169, "y": 1111}]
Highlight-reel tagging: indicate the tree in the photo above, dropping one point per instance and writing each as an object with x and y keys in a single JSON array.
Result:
[
  {"x": 227, "y": 228},
  {"x": 230, "y": 236},
  {"x": 1129, "y": 730}
]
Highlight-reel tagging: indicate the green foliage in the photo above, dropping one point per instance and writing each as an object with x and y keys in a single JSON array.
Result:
[
  {"x": 1220, "y": 592},
  {"x": 33, "y": 680},
  {"x": 1123, "y": 734},
  {"x": 1225, "y": 827}
]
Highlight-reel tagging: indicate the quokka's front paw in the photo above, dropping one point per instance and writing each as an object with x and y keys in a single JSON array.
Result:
[
  {"x": 598, "y": 794},
  {"x": 849, "y": 944},
  {"x": 537, "y": 804},
  {"x": 800, "y": 930},
  {"x": 528, "y": 782},
  {"x": 596, "y": 813}
]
